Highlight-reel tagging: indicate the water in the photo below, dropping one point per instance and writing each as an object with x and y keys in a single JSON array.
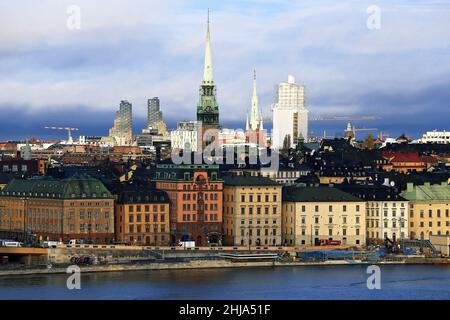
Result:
[{"x": 284, "y": 283}]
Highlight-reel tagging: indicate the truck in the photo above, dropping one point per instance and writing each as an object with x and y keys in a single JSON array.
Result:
[{"x": 186, "y": 244}]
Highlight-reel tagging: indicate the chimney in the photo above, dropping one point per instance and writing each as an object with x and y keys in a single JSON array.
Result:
[{"x": 410, "y": 187}]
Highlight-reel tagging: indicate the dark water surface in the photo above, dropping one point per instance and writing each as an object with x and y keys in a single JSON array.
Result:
[{"x": 282, "y": 283}]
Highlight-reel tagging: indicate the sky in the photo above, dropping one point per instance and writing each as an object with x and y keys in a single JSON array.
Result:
[{"x": 137, "y": 49}]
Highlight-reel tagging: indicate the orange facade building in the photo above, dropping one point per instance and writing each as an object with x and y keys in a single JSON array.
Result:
[
  {"x": 195, "y": 193},
  {"x": 142, "y": 217}
]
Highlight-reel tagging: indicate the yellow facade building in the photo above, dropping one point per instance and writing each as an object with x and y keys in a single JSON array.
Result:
[
  {"x": 314, "y": 215},
  {"x": 429, "y": 210},
  {"x": 251, "y": 211}
]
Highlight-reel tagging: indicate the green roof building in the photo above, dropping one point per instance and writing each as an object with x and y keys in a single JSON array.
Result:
[
  {"x": 429, "y": 209},
  {"x": 41, "y": 208}
]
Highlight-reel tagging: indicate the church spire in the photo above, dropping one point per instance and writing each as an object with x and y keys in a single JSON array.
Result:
[
  {"x": 247, "y": 125},
  {"x": 207, "y": 72},
  {"x": 254, "y": 113}
]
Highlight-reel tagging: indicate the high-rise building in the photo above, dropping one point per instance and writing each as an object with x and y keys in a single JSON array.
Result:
[
  {"x": 122, "y": 131},
  {"x": 290, "y": 116},
  {"x": 154, "y": 115},
  {"x": 207, "y": 107}
]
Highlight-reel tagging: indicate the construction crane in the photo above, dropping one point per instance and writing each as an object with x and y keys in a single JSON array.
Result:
[
  {"x": 69, "y": 131},
  {"x": 333, "y": 118},
  {"x": 351, "y": 130}
]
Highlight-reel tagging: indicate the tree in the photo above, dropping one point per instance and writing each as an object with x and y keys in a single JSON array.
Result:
[
  {"x": 369, "y": 142},
  {"x": 286, "y": 143}
]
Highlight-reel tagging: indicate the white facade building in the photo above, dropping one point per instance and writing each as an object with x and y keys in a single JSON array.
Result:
[
  {"x": 436, "y": 137},
  {"x": 187, "y": 136},
  {"x": 290, "y": 116}
]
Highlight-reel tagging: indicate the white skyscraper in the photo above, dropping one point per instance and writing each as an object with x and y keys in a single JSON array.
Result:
[{"x": 290, "y": 116}]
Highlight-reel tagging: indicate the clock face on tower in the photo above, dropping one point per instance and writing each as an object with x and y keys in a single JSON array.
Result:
[{"x": 208, "y": 109}]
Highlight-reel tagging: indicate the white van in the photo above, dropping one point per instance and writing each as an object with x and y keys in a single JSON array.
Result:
[
  {"x": 12, "y": 244},
  {"x": 51, "y": 244}
]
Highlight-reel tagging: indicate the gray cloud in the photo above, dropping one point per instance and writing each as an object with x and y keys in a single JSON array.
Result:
[{"x": 139, "y": 49}]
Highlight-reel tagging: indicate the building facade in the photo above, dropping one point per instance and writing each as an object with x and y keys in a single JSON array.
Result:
[
  {"x": 429, "y": 209},
  {"x": 251, "y": 211},
  {"x": 195, "y": 193},
  {"x": 290, "y": 116},
  {"x": 45, "y": 208},
  {"x": 142, "y": 217},
  {"x": 386, "y": 211},
  {"x": 187, "y": 136},
  {"x": 435, "y": 136},
  {"x": 312, "y": 214}
]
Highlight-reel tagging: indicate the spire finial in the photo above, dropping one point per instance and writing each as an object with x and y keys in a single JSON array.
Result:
[{"x": 207, "y": 72}]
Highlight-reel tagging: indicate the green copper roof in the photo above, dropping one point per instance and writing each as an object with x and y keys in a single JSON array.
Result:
[
  {"x": 427, "y": 192},
  {"x": 76, "y": 187}
]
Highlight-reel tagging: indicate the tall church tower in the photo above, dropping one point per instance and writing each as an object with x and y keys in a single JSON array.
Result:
[{"x": 207, "y": 108}]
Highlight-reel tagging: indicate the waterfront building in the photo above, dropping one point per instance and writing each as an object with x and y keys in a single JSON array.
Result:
[
  {"x": 207, "y": 107},
  {"x": 79, "y": 207},
  {"x": 195, "y": 193},
  {"x": 251, "y": 211},
  {"x": 187, "y": 136},
  {"x": 142, "y": 217},
  {"x": 290, "y": 116},
  {"x": 313, "y": 213},
  {"x": 386, "y": 211},
  {"x": 122, "y": 131},
  {"x": 429, "y": 209},
  {"x": 442, "y": 137}
]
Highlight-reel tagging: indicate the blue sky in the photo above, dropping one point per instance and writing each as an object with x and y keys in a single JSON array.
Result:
[{"x": 134, "y": 50}]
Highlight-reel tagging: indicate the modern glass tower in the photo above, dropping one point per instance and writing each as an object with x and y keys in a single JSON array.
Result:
[{"x": 154, "y": 115}]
